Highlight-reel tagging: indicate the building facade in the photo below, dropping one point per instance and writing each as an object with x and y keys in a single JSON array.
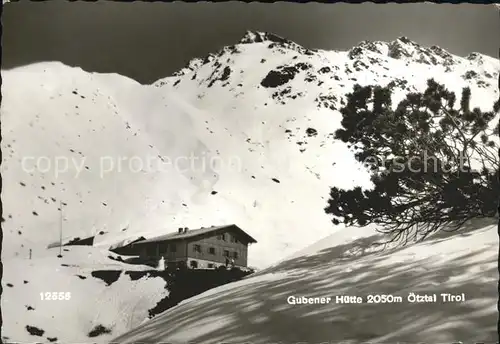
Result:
[{"x": 205, "y": 248}]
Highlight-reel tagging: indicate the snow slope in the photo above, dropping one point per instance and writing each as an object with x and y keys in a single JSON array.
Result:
[
  {"x": 255, "y": 310},
  {"x": 72, "y": 143},
  {"x": 242, "y": 136},
  {"x": 119, "y": 307}
]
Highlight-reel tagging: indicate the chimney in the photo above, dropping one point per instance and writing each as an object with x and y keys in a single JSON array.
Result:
[{"x": 180, "y": 230}]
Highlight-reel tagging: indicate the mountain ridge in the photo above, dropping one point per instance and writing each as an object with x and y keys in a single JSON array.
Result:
[{"x": 398, "y": 48}]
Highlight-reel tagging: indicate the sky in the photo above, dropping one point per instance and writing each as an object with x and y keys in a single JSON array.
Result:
[{"x": 148, "y": 41}]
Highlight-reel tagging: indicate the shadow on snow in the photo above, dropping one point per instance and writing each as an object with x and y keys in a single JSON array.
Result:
[{"x": 256, "y": 310}]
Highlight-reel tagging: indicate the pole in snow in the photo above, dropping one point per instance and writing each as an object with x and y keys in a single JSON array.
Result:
[{"x": 60, "y": 229}]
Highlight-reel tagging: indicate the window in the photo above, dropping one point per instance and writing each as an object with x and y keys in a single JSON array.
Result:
[
  {"x": 197, "y": 248},
  {"x": 210, "y": 266},
  {"x": 211, "y": 250},
  {"x": 163, "y": 248},
  {"x": 173, "y": 247},
  {"x": 221, "y": 236},
  {"x": 233, "y": 238},
  {"x": 235, "y": 255},
  {"x": 193, "y": 264},
  {"x": 226, "y": 253}
]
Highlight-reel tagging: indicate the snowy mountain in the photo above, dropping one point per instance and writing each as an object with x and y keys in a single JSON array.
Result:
[{"x": 241, "y": 136}]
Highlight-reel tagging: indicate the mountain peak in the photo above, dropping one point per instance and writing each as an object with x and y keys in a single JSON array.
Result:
[
  {"x": 260, "y": 36},
  {"x": 405, "y": 40},
  {"x": 253, "y": 37}
]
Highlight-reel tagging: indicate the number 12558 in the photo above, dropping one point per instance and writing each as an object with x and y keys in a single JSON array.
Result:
[{"x": 53, "y": 296}]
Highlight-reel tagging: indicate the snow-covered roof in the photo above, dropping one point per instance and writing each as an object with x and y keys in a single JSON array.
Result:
[{"x": 196, "y": 232}]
